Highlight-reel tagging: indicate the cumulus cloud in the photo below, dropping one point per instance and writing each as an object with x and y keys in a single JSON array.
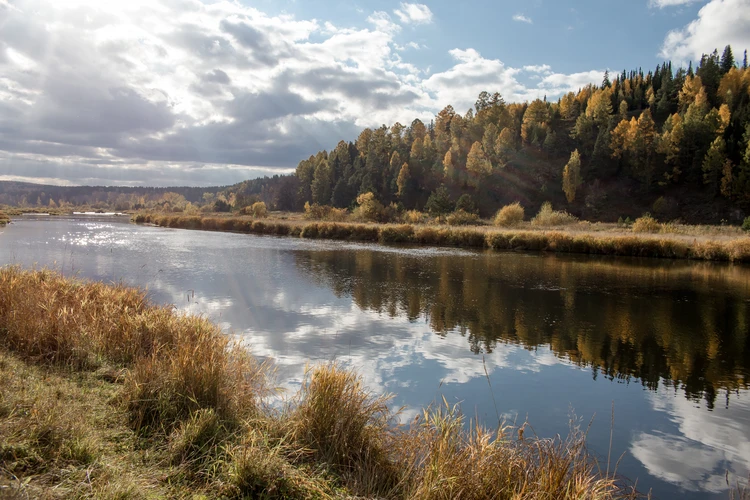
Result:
[
  {"x": 414, "y": 13},
  {"x": 522, "y": 19},
  {"x": 669, "y": 3},
  {"x": 719, "y": 23},
  {"x": 184, "y": 92},
  {"x": 473, "y": 73}
]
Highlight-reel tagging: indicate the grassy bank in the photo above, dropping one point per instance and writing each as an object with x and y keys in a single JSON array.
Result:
[
  {"x": 687, "y": 242},
  {"x": 105, "y": 395}
]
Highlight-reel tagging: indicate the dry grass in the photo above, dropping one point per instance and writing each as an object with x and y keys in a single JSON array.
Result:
[
  {"x": 509, "y": 215},
  {"x": 549, "y": 217},
  {"x": 462, "y": 218},
  {"x": 198, "y": 397},
  {"x": 178, "y": 364},
  {"x": 675, "y": 241}
]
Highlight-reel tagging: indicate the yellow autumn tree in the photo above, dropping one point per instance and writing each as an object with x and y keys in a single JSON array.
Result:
[{"x": 572, "y": 176}]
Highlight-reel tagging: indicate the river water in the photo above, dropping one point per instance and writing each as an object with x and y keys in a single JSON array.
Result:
[{"x": 664, "y": 342}]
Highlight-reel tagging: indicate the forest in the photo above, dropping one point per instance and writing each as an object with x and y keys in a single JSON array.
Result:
[
  {"x": 674, "y": 143},
  {"x": 680, "y": 136}
]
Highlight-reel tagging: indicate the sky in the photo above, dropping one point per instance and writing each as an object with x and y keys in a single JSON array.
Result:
[{"x": 191, "y": 92}]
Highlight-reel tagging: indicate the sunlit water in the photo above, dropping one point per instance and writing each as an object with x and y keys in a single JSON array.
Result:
[{"x": 665, "y": 342}]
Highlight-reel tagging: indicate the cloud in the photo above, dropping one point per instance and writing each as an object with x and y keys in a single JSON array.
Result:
[
  {"x": 522, "y": 19},
  {"x": 148, "y": 91},
  {"x": 669, "y": 3},
  {"x": 414, "y": 13},
  {"x": 719, "y": 23},
  {"x": 542, "y": 68},
  {"x": 707, "y": 445},
  {"x": 472, "y": 73},
  {"x": 383, "y": 22}
]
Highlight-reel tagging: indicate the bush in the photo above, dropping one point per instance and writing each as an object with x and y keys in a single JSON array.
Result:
[
  {"x": 369, "y": 209},
  {"x": 509, "y": 215},
  {"x": 439, "y": 202},
  {"x": 414, "y": 217},
  {"x": 746, "y": 224},
  {"x": 461, "y": 218},
  {"x": 549, "y": 217},
  {"x": 258, "y": 209},
  {"x": 4, "y": 219},
  {"x": 466, "y": 203},
  {"x": 646, "y": 224}
]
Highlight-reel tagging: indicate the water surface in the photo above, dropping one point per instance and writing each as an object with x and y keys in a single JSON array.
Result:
[{"x": 666, "y": 342}]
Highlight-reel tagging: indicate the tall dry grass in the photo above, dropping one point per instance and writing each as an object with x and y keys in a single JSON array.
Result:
[
  {"x": 177, "y": 363},
  {"x": 666, "y": 245},
  {"x": 186, "y": 382}
]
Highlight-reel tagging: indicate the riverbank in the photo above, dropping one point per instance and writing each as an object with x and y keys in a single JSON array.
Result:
[
  {"x": 106, "y": 395},
  {"x": 680, "y": 242}
]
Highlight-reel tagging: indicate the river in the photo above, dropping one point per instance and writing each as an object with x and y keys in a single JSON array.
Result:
[{"x": 663, "y": 342}]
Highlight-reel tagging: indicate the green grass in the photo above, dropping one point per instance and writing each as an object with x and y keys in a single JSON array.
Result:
[{"x": 105, "y": 395}]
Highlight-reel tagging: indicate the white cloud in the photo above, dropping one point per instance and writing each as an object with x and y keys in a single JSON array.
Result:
[
  {"x": 669, "y": 3},
  {"x": 522, "y": 19},
  {"x": 472, "y": 73},
  {"x": 383, "y": 22},
  {"x": 181, "y": 92},
  {"x": 719, "y": 23},
  {"x": 414, "y": 13},
  {"x": 708, "y": 445},
  {"x": 541, "y": 68}
]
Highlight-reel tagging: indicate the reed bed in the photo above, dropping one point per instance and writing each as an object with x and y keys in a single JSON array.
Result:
[
  {"x": 182, "y": 409},
  {"x": 663, "y": 245}
]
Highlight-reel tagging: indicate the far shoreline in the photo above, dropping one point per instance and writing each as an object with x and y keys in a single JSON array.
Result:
[{"x": 707, "y": 243}]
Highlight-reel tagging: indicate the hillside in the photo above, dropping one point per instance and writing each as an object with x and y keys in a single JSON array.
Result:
[{"x": 670, "y": 142}]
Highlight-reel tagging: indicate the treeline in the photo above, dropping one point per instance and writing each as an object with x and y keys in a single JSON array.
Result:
[
  {"x": 24, "y": 194},
  {"x": 644, "y": 135}
]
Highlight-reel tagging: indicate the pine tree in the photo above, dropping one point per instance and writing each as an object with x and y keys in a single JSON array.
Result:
[
  {"x": 727, "y": 60},
  {"x": 572, "y": 176},
  {"x": 744, "y": 60}
]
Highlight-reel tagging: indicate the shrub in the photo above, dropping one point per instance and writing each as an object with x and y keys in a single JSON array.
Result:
[
  {"x": 315, "y": 211},
  {"x": 549, "y": 217},
  {"x": 439, "y": 202},
  {"x": 338, "y": 215},
  {"x": 646, "y": 224},
  {"x": 466, "y": 203},
  {"x": 746, "y": 224},
  {"x": 414, "y": 217},
  {"x": 369, "y": 209},
  {"x": 259, "y": 209},
  {"x": 461, "y": 218},
  {"x": 4, "y": 219},
  {"x": 509, "y": 215}
]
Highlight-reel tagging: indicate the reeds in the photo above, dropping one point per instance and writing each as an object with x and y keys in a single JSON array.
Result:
[
  {"x": 665, "y": 245},
  {"x": 191, "y": 388}
]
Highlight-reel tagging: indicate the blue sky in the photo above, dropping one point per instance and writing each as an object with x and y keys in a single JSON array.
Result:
[
  {"x": 206, "y": 92},
  {"x": 571, "y": 36}
]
